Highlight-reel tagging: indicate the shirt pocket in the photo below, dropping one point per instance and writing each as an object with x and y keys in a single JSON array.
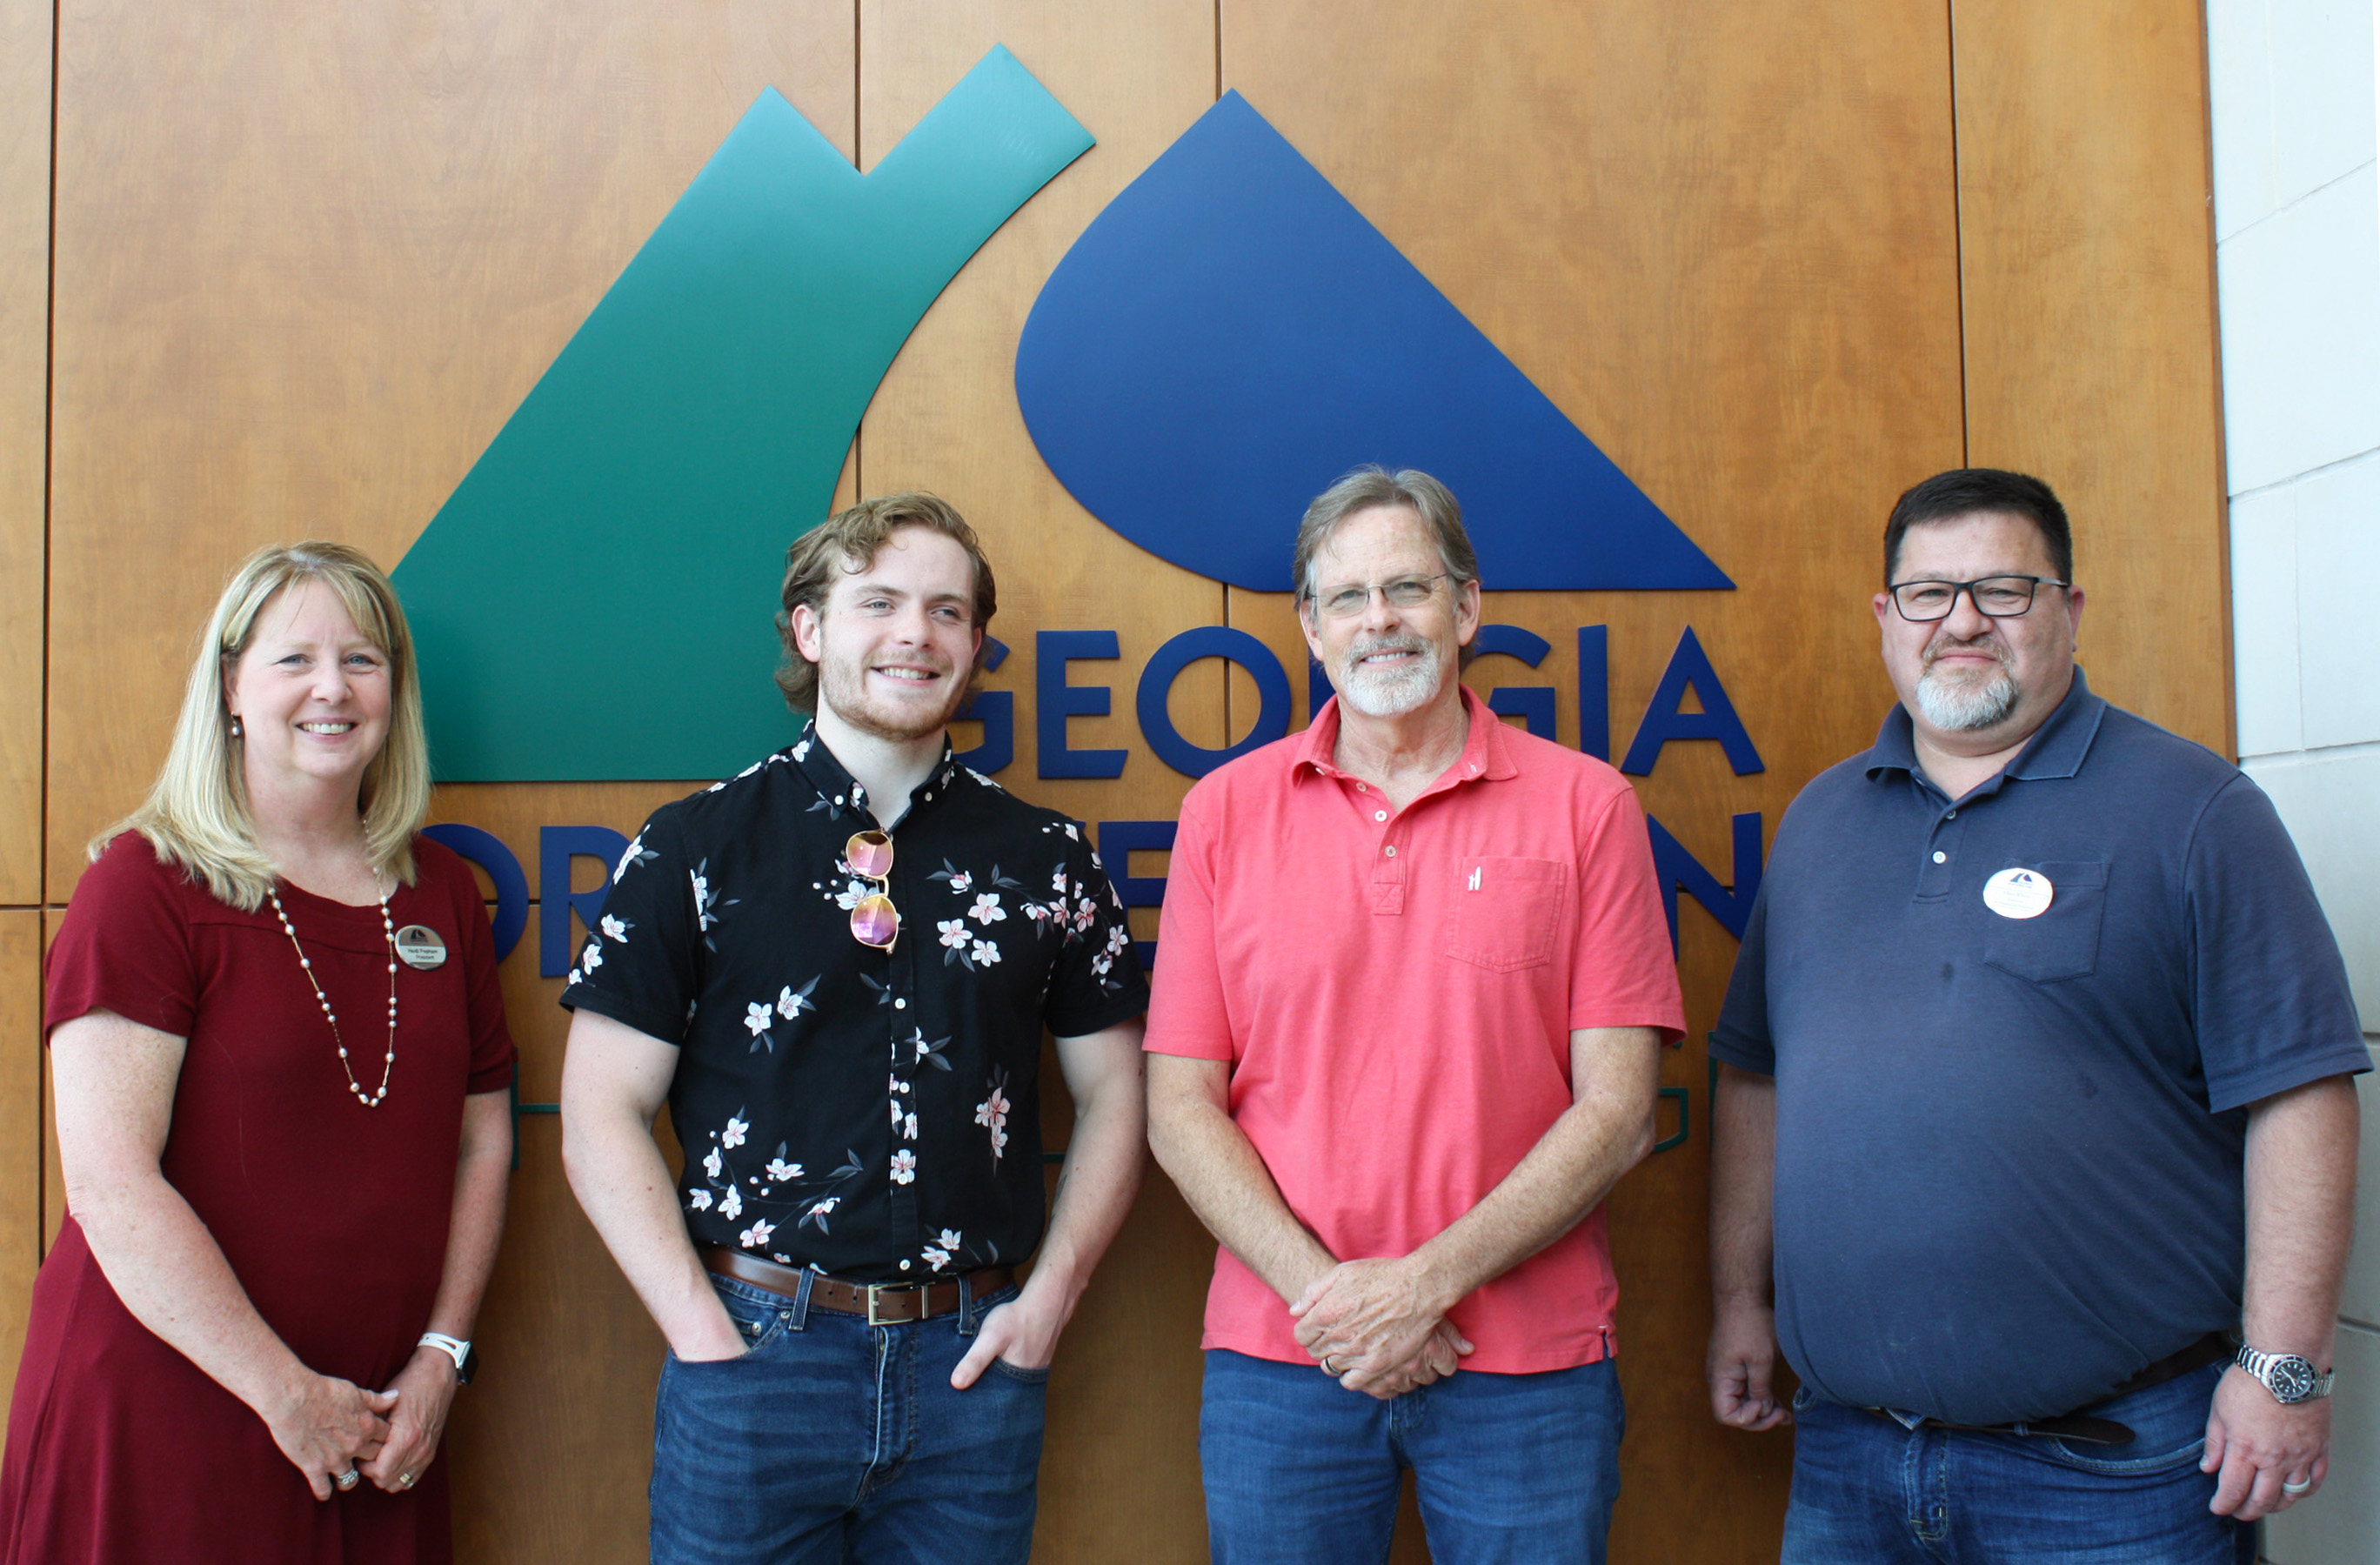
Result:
[
  {"x": 2064, "y": 940},
  {"x": 1507, "y": 912}
]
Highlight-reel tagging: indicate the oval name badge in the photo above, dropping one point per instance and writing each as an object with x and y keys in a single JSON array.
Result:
[
  {"x": 2019, "y": 893},
  {"x": 420, "y": 947}
]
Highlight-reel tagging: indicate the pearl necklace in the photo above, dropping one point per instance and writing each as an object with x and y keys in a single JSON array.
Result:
[{"x": 388, "y": 929}]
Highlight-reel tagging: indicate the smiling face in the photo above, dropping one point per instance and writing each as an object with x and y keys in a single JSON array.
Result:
[
  {"x": 896, "y": 640},
  {"x": 312, "y": 694},
  {"x": 1386, "y": 661},
  {"x": 1974, "y": 685}
]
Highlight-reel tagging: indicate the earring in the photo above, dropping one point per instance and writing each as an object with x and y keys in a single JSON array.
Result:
[{"x": 235, "y": 728}]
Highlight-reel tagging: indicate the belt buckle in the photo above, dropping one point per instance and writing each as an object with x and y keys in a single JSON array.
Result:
[{"x": 876, "y": 1287}]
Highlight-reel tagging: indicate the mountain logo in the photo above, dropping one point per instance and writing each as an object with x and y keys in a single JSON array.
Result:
[{"x": 1232, "y": 326}]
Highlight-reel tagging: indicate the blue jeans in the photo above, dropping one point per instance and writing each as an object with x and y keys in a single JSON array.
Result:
[
  {"x": 832, "y": 1440},
  {"x": 1869, "y": 1491},
  {"x": 1300, "y": 1471}
]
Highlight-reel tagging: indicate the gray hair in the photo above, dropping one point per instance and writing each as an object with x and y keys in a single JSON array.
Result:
[{"x": 1367, "y": 488}]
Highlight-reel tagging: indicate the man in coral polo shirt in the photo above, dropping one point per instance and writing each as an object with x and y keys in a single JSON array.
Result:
[{"x": 1405, "y": 1036}]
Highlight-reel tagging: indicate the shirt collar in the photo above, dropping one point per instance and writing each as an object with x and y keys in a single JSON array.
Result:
[
  {"x": 1486, "y": 749},
  {"x": 843, "y": 791},
  {"x": 2057, "y": 749}
]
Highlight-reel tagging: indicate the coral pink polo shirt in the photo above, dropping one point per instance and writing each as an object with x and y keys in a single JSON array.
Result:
[{"x": 1395, "y": 991}]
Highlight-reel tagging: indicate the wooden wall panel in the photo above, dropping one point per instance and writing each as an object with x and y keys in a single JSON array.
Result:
[
  {"x": 24, "y": 437},
  {"x": 306, "y": 307},
  {"x": 20, "y": 1129},
  {"x": 1724, "y": 245},
  {"x": 1120, "y": 1473},
  {"x": 2088, "y": 253}
]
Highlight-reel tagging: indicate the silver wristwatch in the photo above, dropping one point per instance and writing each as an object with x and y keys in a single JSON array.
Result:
[{"x": 2289, "y": 1377}]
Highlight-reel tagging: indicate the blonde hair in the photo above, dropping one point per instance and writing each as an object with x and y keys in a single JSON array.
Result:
[
  {"x": 196, "y": 813},
  {"x": 847, "y": 542}
]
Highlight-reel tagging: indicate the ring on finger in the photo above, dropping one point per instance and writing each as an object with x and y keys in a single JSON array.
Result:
[
  {"x": 1329, "y": 1368},
  {"x": 347, "y": 1480},
  {"x": 2297, "y": 1487},
  {"x": 405, "y": 1480}
]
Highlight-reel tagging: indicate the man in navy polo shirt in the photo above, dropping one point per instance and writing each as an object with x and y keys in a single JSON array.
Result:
[{"x": 2033, "y": 1091}]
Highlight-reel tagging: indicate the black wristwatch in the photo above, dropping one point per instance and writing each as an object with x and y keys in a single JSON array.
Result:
[
  {"x": 2289, "y": 1377},
  {"x": 465, "y": 1357}
]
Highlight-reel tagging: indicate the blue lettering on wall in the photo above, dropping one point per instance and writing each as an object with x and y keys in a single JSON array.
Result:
[
  {"x": 488, "y": 851},
  {"x": 996, "y": 710},
  {"x": 1664, "y": 721},
  {"x": 1680, "y": 870},
  {"x": 556, "y": 846},
  {"x": 1595, "y": 690},
  {"x": 1119, "y": 840},
  {"x": 1056, "y": 701},
  {"x": 1157, "y": 682},
  {"x": 1532, "y": 704}
]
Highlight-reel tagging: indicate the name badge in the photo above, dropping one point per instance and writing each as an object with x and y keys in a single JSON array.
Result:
[
  {"x": 2019, "y": 893},
  {"x": 418, "y": 946}
]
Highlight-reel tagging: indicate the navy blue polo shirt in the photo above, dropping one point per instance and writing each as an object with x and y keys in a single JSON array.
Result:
[{"x": 2008, "y": 1150}]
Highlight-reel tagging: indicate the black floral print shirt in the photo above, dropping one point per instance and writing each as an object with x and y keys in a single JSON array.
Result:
[{"x": 872, "y": 1114}]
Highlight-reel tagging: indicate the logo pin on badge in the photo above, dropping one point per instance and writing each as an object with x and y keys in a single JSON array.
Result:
[
  {"x": 2019, "y": 893},
  {"x": 420, "y": 947}
]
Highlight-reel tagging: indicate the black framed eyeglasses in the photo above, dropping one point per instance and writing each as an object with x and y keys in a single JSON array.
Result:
[{"x": 1995, "y": 596}]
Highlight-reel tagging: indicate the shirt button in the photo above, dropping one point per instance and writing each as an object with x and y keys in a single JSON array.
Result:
[
  {"x": 904, "y": 1266},
  {"x": 1940, "y": 858},
  {"x": 1361, "y": 789},
  {"x": 1392, "y": 850},
  {"x": 1953, "y": 815},
  {"x": 900, "y": 1005},
  {"x": 1380, "y": 815}
]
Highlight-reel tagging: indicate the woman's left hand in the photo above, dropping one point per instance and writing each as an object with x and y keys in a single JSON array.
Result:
[{"x": 427, "y": 1389}]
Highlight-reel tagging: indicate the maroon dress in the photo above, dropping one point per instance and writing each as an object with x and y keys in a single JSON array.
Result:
[{"x": 332, "y": 1215}]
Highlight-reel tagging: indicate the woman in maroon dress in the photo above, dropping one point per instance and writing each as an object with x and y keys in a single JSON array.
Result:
[{"x": 281, "y": 1064}]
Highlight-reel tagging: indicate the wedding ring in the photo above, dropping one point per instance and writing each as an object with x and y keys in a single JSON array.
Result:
[
  {"x": 405, "y": 1480},
  {"x": 348, "y": 1479},
  {"x": 2289, "y": 1489},
  {"x": 1329, "y": 1368}
]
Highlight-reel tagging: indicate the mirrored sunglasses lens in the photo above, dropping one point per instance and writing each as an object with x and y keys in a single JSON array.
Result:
[
  {"x": 874, "y": 921},
  {"x": 869, "y": 854}
]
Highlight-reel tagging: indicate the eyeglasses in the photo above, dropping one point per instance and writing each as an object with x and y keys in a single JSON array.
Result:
[
  {"x": 1346, "y": 601},
  {"x": 874, "y": 920},
  {"x": 1995, "y": 596}
]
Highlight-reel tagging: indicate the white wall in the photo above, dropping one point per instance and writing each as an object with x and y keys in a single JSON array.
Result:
[{"x": 2297, "y": 223}]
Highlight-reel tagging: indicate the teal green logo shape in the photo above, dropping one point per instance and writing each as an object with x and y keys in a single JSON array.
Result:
[{"x": 593, "y": 601}]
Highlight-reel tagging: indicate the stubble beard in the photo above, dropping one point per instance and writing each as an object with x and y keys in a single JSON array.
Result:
[
  {"x": 845, "y": 689},
  {"x": 1392, "y": 693},
  {"x": 1967, "y": 703}
]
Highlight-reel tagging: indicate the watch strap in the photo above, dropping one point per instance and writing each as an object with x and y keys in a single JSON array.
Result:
[
  {"x": 455, "y": 1348},
  {"x": 2265, "y": 1367}
]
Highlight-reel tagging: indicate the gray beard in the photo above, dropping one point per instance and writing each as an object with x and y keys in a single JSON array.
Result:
[
  {"x": 1963, "y": 706},
  {"x": 1389, "y": 693}
]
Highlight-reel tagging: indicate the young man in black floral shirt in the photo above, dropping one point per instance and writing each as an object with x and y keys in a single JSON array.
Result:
[{"x": 835, "y": 968}]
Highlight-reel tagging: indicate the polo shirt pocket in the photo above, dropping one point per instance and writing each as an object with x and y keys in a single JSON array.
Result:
[
  {"x": 1507, "y": 912},
  {"x": 2062, "y": 941}
]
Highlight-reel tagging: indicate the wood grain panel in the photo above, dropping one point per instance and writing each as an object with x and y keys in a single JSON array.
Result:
[
  {"x": 24, "y": 432},
  {"x": 305, "y": 310},
  {"x": 20, "y": 1131},
  {"x": 2084, "y": 193},
  {"x": 1120, "y": 1470},
  {"x": 1724, "y": 244}
]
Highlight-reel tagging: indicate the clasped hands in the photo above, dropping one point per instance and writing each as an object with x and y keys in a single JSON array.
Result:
[{"x": 1378, "y": 1326}]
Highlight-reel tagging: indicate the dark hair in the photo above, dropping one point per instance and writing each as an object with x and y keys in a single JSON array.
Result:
[
  {"x": 1962, "y": 492},
  {"x": 847, "y": 542}
]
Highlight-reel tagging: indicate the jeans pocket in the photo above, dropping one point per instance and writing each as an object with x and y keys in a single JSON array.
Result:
[
  {"x": 2061, "y": 941},
  {"x": 1506, "y": 911},
  {"x": 1022, "y": 1375},
  {"x": 760, "y": 1317},
  {"x": 2091, "y": 1458}
]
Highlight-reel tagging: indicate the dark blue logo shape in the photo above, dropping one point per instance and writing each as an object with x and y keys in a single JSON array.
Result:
[{"x": 1231, "y": 335}]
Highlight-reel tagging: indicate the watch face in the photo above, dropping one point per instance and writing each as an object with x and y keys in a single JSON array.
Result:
[
  {"x": 470, "y": 1364},
  {"x": 2292, "y": 1379}
]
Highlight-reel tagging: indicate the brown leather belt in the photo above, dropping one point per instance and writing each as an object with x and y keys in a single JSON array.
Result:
[
  {"x": 879, "y": 1304},
  {"x": 2102, "y": 1431}
]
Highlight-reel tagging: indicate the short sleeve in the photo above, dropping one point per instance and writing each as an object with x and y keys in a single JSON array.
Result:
[
  {"x": 124, "y": 943},
  {"x": 1623, "y": 973},
  {"x": 1742, "y": 1038},
  {"x": 2274, "y": 1007},
  {"x": 493, "y": 1054},
  {"x": 638, "y": 964},
  {"x": 1096, "y": 981},
  {"x": 1186, "y": 1013}
]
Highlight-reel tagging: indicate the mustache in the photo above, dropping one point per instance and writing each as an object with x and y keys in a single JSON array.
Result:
[
  {"x": 1364, "y": 649},
  {"x": 1989, "y": 642}
]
